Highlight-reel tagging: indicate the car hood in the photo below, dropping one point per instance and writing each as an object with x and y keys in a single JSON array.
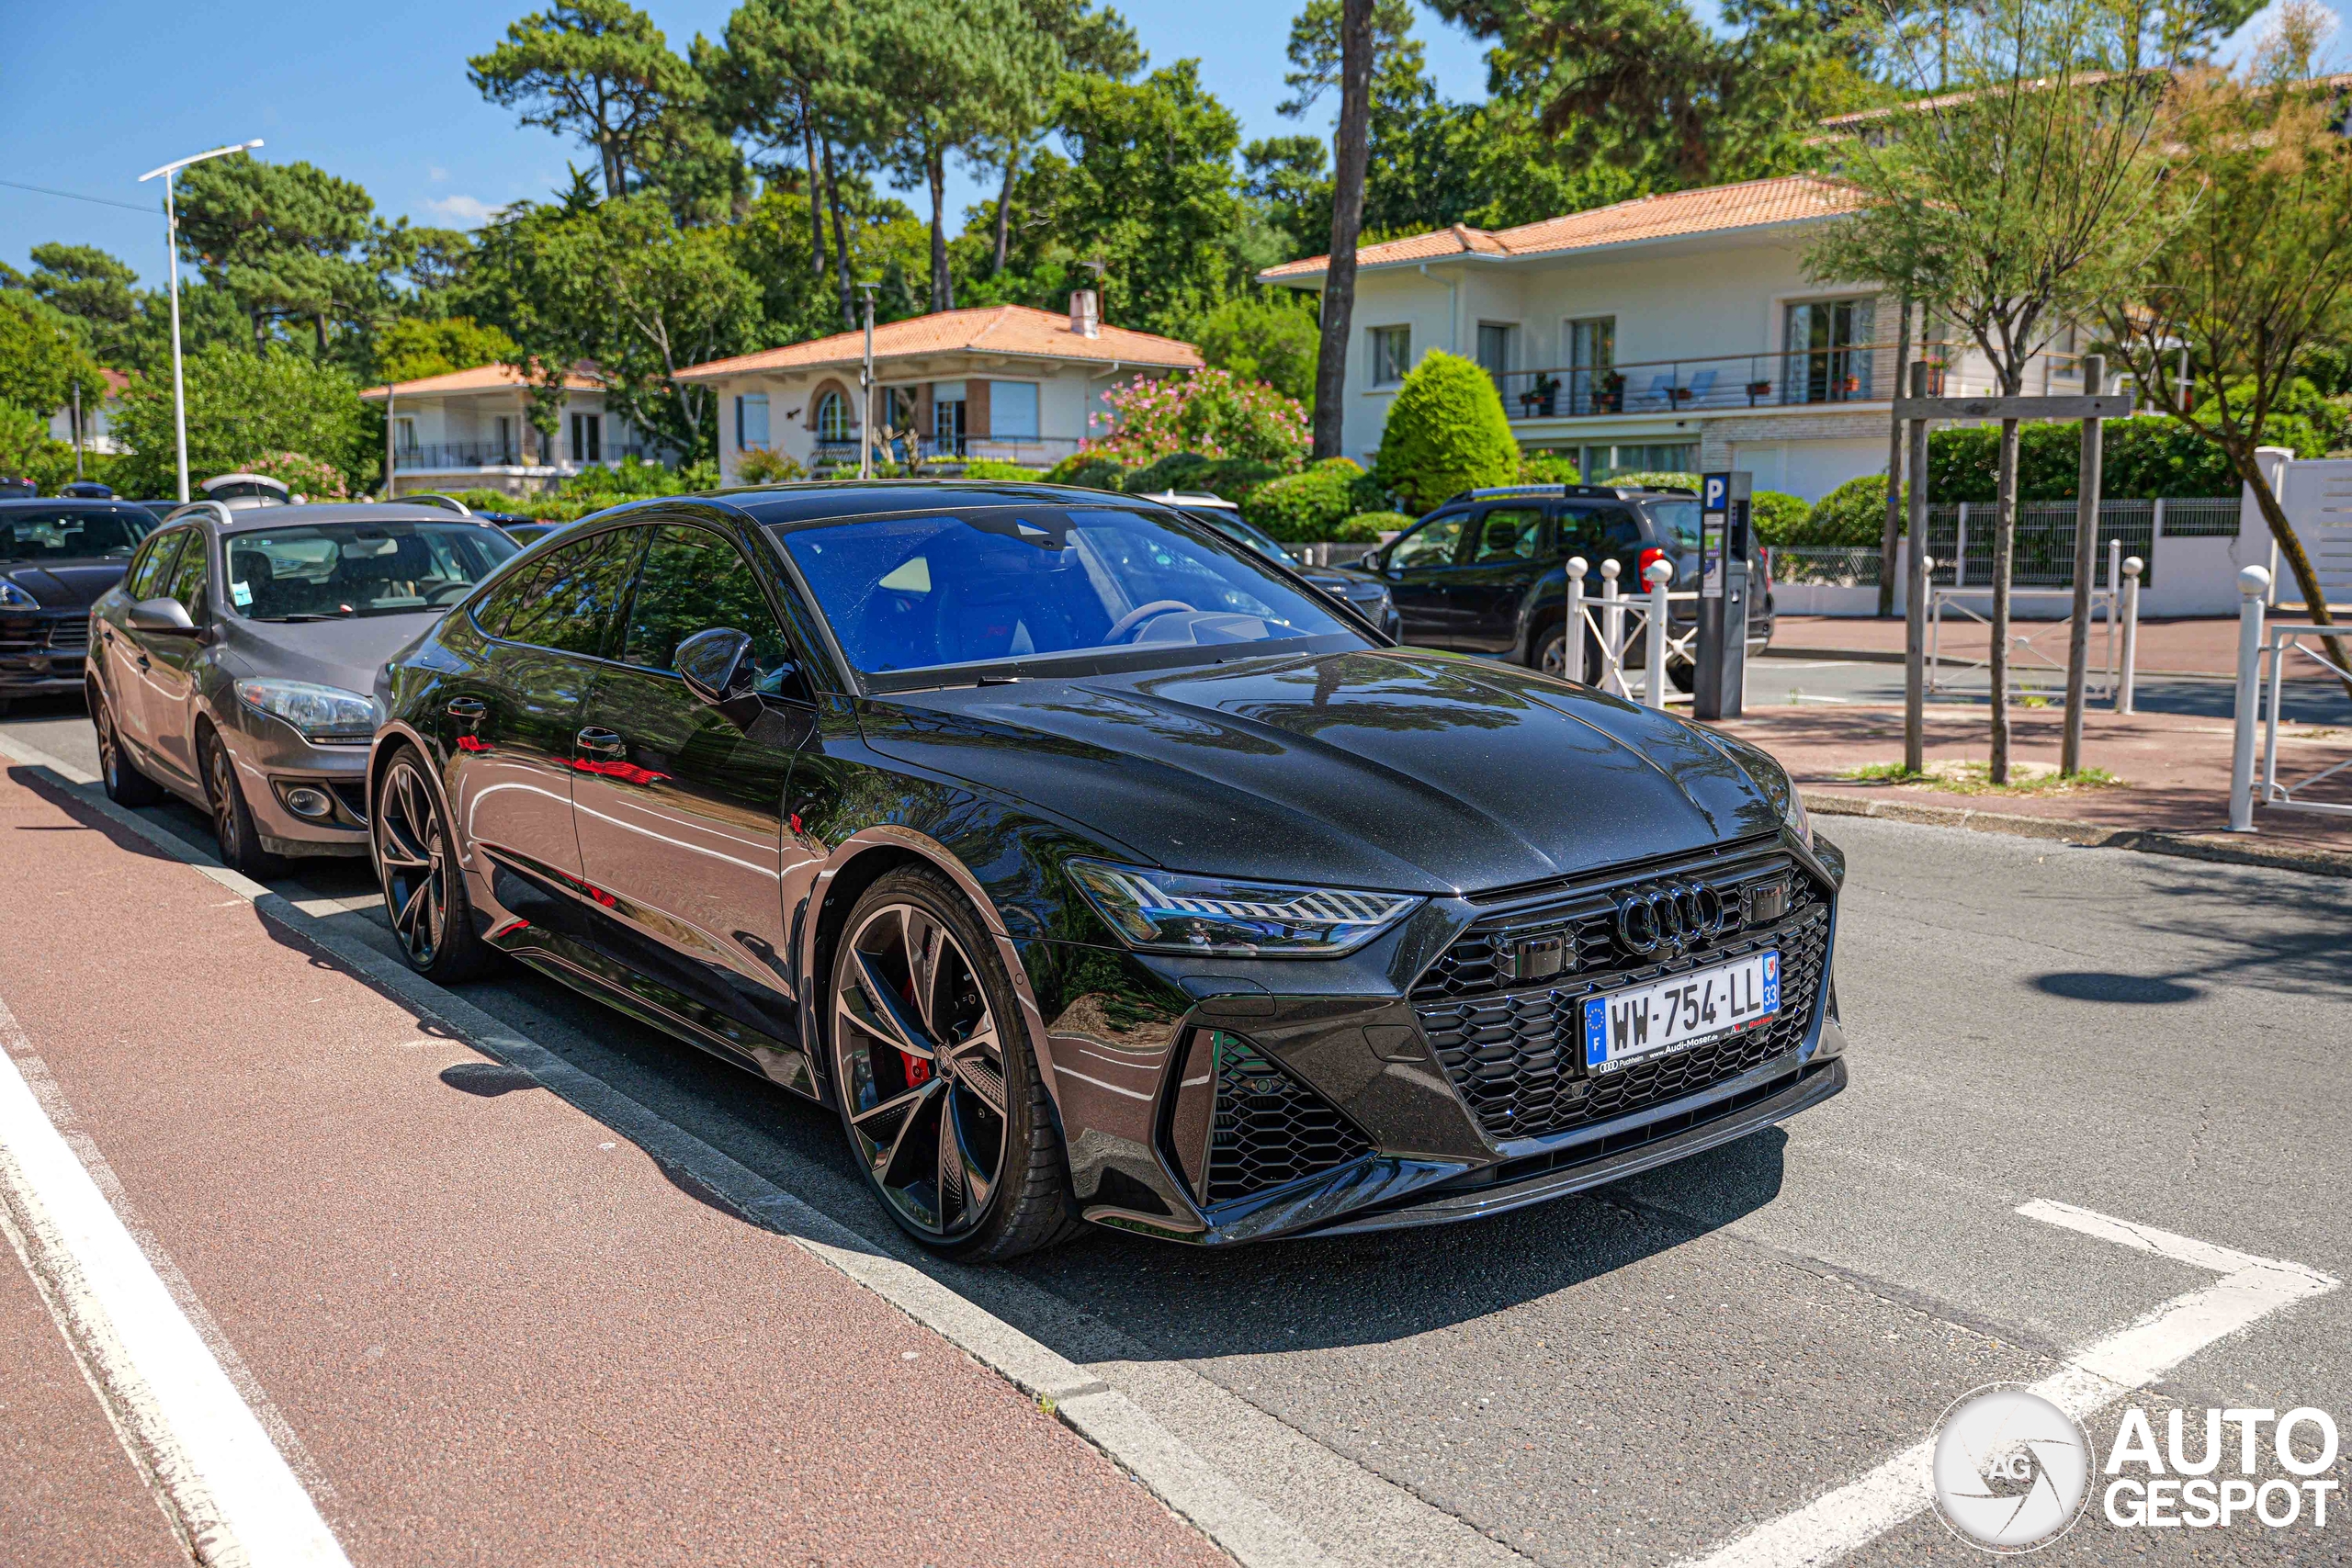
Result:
[
  {"x": 345, "y": 653},
  {"x": 1337, "y": 577},
  {"x": 67, "y": 584},
  {"x": 1391, "y": 768}
]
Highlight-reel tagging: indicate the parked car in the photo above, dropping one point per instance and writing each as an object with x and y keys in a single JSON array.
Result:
[
  {"x": 1488, "y": 570},
  {"x": 1364, "y": 592},
  {"x": 56, "y": 557},
  {"x": 1092, "y": 867},
  {"x": 234, "y": 663},
  {"x": 522, "y": 530}
]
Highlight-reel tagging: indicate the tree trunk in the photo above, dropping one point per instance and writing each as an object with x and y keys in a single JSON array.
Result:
[
  {"x": 841, "y": 239},
  {"x": 1004, "y": 213},
  {"x": 2004, "y": 539},
  {"x": 942, "y": 290},
  {"x": 815, "y": 201},
  {"x": 2298, "y": 559},
  {"x": 615, "y": 176},
  {"x": 319, "y": 329},
  {"x": 1351, "y": 148},
  {"x": 1892, "y": 528},
  {"x": 260, "y": 332}
]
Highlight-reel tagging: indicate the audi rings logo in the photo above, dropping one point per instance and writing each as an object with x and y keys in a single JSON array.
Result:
[
  {"x": 2011, "y": 1470},
  {"x": 1672, "y": 919}
]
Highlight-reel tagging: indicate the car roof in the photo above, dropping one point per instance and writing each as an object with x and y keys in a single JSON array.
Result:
[
  {"x": 314, "y": 514},
  {"x": 830, "y": 500},
  {"x": 1566, "y": 491},
  {"x": 70, "y": 502}
]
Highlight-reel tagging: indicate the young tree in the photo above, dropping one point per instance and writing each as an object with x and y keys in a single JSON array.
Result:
[
  {"x": 596, "y": 70},
  {"x": 2014, "y": 204},
  {"x": 1099, "y": 42},
  {"x": 410, "y": 349},
  {"x": 2258, "y": 276},
  {"x": 241, "y": 407},
  {"x": 41, "y": 358}
]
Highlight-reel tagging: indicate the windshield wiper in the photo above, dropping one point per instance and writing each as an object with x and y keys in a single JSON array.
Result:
[{"x": 299, "y": 616}]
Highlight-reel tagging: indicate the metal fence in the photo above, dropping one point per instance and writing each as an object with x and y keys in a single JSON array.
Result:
[{"x": 1960, "y": 537}]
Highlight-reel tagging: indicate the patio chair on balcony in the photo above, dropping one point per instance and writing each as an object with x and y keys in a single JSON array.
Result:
[
  {"x": 1695, "y": 394},
  {"x": 1663, "y": 391}
]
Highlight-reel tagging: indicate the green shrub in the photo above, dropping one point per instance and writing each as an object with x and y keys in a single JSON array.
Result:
[
  {"x": 1303, "y": 507},
  {"x": 632, "y": 479},
  {"x": 998, "y": 471},
  {"x": 1271, "y": 338},
  {"x": 241, "y": 407},
  {"x": 1213, "y": 412},
  {"x": 1779, "y": 516},
  {"x": 2141, "y": 458},
  {"x": 1549, "y": 468},
  {"x": 1087, "y": 470},
  {"x": 1853, "y": 515},
  {"x": 1654, "y": 479},
  {"x": 1175, "y": 471},
  {"x": 761, "y": 467},
  {"x": 1366, "y": 527},
  {"x": 1446, "y": 433},
  {"x": 483, "y": 500}
]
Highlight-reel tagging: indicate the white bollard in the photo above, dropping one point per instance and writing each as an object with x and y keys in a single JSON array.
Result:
[
  {"x": 1612, "y": 632},
  {"x": 2114, "y": 565},
  {"x": 1660, "y": 573},
  {"x": 2133, "y": 566},
  {"x": 2252, "y": 583},
  {"x": 1572, "y": 645}
]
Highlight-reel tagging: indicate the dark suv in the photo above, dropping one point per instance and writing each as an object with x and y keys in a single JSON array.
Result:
[{"x": 1487, "y": 572}]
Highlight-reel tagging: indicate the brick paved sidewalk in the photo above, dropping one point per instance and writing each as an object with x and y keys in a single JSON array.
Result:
[
  {"x": 2175, "y": 767},
  {"x": 2201, "y": 647}
]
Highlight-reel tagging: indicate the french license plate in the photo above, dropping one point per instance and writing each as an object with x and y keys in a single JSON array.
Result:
[{"x": 1690, "y": 1009}]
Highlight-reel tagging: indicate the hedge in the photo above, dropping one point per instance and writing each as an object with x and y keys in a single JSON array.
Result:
[
  {"x": 1366, "y": 527},
  {"x": 1446, "y": 433},
  {"x": 1299, "y": 508}
]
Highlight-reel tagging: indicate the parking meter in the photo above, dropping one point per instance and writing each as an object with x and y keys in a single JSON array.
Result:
[{"x": 1724, "y": 551}]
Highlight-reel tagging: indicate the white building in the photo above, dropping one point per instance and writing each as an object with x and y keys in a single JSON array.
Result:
[
  {"x": 471, "y": 429},
  {"x": 1675, "y": 331},
  {"x": 1001, "y": 381},
  {"x": 98, "y": 406}
]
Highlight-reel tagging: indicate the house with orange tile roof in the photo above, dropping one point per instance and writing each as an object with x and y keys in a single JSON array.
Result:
[
  {"x": 471, "y": 430},
  {"x": 1677, "y": 331},
  {"x": 999, "y": 381}
]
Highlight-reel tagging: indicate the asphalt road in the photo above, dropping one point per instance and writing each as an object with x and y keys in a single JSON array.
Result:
[{"x": 1639, "y": 1375}]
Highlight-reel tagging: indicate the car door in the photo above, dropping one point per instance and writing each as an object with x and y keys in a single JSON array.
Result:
[
  {"x": 171, "y": 678},
  {"x": 144, "y": 716},
  {"x": 125, "y": 658},
  {"x": 1498, "y": 568},
  {"x": 509, "y": 720},
  {"x": 1419, "y": 569},
  {"x": 681, "y": 809}
]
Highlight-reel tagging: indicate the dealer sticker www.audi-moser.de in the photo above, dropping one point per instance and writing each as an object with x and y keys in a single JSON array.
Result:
[{"x": 1690, "y": 1009}]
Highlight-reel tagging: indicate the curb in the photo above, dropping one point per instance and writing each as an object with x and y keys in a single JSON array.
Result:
[
  {"x": 1252, "y": 1533},
  {"x": 2228, "y": 848}
]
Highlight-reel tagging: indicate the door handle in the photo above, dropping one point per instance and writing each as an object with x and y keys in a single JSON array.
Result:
[
  {"x": 595, "y": 741},
  {"x": 144, "y": 663},
  {"x": 468, "y": 707}
]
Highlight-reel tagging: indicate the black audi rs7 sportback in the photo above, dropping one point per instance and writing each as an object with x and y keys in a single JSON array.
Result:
[{"x": 1095, "y": 867}]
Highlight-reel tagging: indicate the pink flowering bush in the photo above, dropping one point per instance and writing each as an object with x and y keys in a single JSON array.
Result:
[
  {"x": 310, "y": 478},
  {"x": 1213, "y": 412}
]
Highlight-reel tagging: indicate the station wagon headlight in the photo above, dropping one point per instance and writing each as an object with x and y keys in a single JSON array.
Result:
[
  {"x": 1167, "y": 911},
  {"x": 321, "y": 713}
]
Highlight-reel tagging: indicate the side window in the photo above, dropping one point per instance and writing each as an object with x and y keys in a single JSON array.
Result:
[
  {"x": 154, "y": 565},
  {"x": 1594, "y": 531},
  {"x": 693, "y": 581},
  {"x": 1507, "y": 533},
  {"x": 186, "y": 582},
  {"x": 1620, "y": 530},
  {"x": 1432, "y": 544},
  {"x": 568, "y": 603}
]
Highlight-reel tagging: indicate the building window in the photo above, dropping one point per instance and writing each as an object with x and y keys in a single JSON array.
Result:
[
  {"x": 1592, "y": 365},
  {"x": 1392, "y": 354},
  {"x": 587, "y": 438},
  {"x": 1494, "y": 351},
  {"x": 832, "y": 418},
  {"x": 751, "y": 421},
  {"x": 407, "y": 434},
  {"x": 1602, "y": 463},
  {"x": 1827, "y": 358},
  {"x": 1012, "y": 410},
  {"x": 947, "y": 417},
  {"x": 506, "y": 438}
]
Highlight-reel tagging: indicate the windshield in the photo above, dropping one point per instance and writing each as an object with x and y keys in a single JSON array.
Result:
[
  {"x": 909, "y": 594},
  {"x": 328, "y": 571},
  {"x": 1678, "y": 522},
  {"x": 38, "y": 533},
  {"x": 1231, "y": 524}
]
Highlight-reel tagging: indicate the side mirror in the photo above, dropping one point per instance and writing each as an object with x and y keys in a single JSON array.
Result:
[
  {"x": 715, "y": 665},
  {"x": 160, "y": 616}
]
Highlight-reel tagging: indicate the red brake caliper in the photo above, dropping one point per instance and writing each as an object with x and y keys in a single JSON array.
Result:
[{"x": 917, "y": 1067}]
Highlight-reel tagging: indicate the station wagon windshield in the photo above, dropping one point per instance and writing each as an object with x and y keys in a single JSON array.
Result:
[
  {"x": 331, "y": 571},
  {"x": 915, "y": 593}
]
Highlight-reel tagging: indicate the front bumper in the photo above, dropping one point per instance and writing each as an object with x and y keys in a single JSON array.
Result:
[
  {"x": 1415, "y": 1085},
  {"x": 42, "y": 652},
  {"x": 273, "y": 761}
]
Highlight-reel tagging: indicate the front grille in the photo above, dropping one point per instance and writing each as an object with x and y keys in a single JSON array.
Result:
[
  {"x": 1514, "y": 1053},
  {"x": 70, "y": 636},
  {"x": 1268, "y": 1128}
]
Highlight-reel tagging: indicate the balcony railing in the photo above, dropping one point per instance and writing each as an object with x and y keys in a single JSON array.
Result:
[
  {"x": 1849, "y": 373},
  {"x": 1035, "y": 451},
  {"x": 427, "y": 457}
]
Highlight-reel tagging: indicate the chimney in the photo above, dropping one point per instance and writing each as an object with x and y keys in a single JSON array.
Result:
[{"x": 1085, "y": 314}]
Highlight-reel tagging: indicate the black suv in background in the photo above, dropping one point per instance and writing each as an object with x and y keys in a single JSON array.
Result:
[{"x": 1487, "y": 572}]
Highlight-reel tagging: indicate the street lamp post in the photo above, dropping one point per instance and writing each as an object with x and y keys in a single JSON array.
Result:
[{"x": 172, "y": 242}]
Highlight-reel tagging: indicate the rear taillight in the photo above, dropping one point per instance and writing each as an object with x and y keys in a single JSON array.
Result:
[{"x": 1642, "y": 572}]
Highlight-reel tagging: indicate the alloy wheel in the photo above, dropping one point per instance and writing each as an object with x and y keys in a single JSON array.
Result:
[
  {"x": 222, "y": 775},
  {"x": 410, "y": 859},
  {"x": 1555, "y": 659},
  {"x": 921, "y": 1067},
  {"x": 109, "y": 753}
]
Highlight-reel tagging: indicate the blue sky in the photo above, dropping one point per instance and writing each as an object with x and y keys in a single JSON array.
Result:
[{"x": 96, "y": 94}]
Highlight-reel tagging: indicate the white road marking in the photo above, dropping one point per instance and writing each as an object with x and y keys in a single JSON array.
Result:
[
  {"x": 2101, "y": 1373},
  {"x": 232, "y": 1491}
]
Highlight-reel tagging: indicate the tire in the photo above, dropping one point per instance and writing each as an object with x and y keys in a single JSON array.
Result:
[
  {"x": 125, "y": 785},
  {"x": 232, "y": 822},
  {"x": 423, "y": 886},
  {"x": 936, "y": 1076}
]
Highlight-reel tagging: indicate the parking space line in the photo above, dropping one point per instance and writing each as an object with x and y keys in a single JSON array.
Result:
[
  {"x": 2101, "y": 1373},
  {"x": 229, "y": 1489}
]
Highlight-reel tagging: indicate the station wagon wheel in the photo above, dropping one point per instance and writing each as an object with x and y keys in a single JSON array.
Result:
[
  {"x": 125, "y": 785},
  {"x": 425, "y": 895},
  {"x": 938, "y": 1090}
]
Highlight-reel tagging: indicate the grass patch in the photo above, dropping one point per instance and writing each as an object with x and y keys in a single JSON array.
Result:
[{"x": 1956, "y": 777}]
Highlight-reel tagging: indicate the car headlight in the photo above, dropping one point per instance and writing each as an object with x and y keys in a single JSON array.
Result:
[
  {"x": 321, "y": 713},
  {"x": 1167, "y": 911},
  {"x": 1775, "y": 781},
  {"x": 15, "y": 597}
]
